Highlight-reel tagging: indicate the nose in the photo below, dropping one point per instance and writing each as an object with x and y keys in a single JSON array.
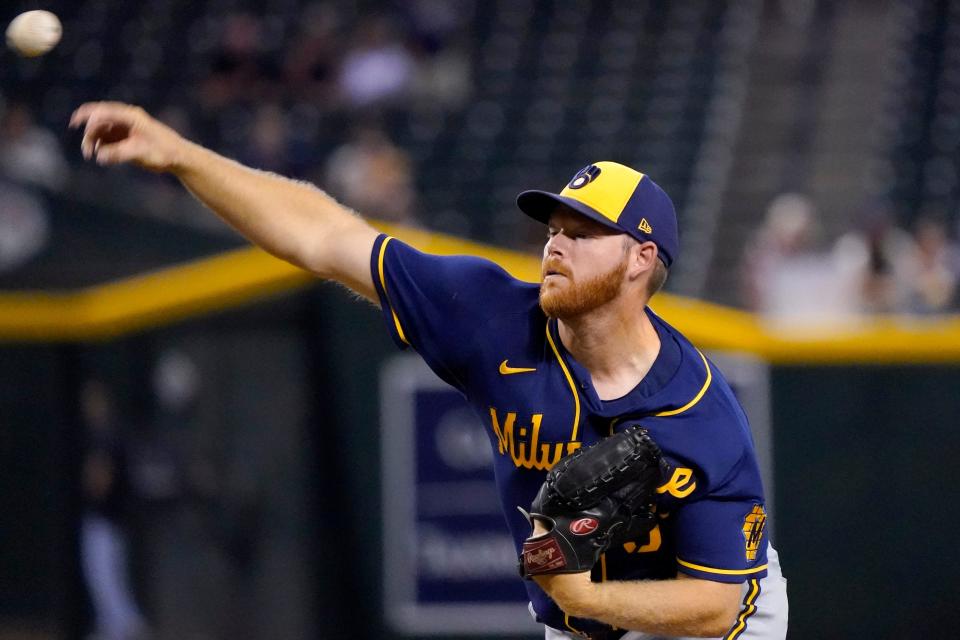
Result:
[{"x": 556, "y": 244}]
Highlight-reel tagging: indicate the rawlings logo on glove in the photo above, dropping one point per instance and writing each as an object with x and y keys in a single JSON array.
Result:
[
  {"x": 543, "y": 556},
  {"x": 591, "y": 498}
]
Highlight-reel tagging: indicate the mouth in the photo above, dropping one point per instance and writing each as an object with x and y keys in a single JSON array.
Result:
[{"x": 551, "y": 269}]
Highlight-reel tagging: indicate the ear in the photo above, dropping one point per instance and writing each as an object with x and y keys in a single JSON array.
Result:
[{"x": 641, "y": 258}]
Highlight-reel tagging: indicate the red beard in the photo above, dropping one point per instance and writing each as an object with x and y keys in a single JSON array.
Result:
[{"x": 577, "y": 298}]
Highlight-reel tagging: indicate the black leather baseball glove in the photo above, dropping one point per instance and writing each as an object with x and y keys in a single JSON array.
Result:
[{"x": 595, "y": 496}]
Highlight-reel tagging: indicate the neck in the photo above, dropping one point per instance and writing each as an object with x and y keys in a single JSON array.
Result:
[{"x": 616, "y": 345}]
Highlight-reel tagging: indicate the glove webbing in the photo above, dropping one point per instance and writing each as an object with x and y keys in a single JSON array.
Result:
[{"x": 624, "y": 471}]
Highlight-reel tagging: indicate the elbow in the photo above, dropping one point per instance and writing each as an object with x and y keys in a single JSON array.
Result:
[
  {"x": 307, "y": 254},
  {"x": 328, "y": 250},
  {"x": 719, "y": 622},
  {"x": 292, "y": 250},
  {"x": 718, "y": 607}
]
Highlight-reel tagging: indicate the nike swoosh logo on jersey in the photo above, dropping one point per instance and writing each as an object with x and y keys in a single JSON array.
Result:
[{"x": 506, "y": 370}]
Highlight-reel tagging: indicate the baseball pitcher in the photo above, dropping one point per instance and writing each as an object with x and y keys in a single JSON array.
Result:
[{"x": 624, "y": 463}]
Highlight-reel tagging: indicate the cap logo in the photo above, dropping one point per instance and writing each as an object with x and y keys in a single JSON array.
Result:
[
  {"x": 645, "y": 226},
  {"x": 585, "y": 176}
]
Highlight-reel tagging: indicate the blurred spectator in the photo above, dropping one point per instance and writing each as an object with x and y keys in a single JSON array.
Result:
[
  {"x": 786, "y": 279},
  {"x": 173, "y": 542},
  {"x": 160, "y": 470},
  {"x": 378, "y": 68},
  {"x": 103, "y": 541},
  {"x": 30, "y": 153},
  {"x": 270, "y": 146},
  {"x": 237, "y": 67},
  {"x": 934, "y": 269},
  {"x": 442, "y": 79},
  {"x": 787, "y": 232},
  {"x": 24, "y": 226},
  {"x": 874, "y": 258},
  {"x": 176, "y": 382},
  {"x": 310, "y": 65},
  {"x": 372, "y": 175},
  {"x": 443, "y": 64},
  {"x": 266, "y": 144}
]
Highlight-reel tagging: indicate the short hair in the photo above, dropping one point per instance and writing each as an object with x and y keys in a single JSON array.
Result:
[{"x": 657, "y": 278}]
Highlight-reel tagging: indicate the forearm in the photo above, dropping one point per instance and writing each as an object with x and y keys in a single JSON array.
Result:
[
  {"x": 292, "y": 220},
  {"x": 695, "y": 608}
]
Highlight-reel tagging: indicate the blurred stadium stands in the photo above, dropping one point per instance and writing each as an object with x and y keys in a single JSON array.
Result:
[
  {"x": 726, "y": 104},
  {"x": 435, "y": 114}
]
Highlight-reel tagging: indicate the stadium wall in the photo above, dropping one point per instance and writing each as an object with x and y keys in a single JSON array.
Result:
[{"x": 863, "y": 425}]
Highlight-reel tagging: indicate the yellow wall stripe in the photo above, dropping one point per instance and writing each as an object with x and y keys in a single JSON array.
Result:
[
  {"x": 573, "y": 387},
  {"x": 153, "y": 299},
  {"x": 239, "y": 277},
  {"x": 877, "y": 339},
  {"x": 383, "y": 283},
  {"x": 696, "y": 398},
  {"x": 748, "y": 610},
  {"x": 725, "y": 572}
]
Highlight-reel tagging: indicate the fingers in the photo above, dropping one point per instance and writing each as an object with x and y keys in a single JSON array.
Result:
[
  {"x": 116, "y": 152},
  {"x": 116, "y": 110},
  {"x": 106, "y": 131},
  {"x": 95, "y": 131},
  {"x": 116, "y": 133},
  {"x": 98, "y": 120}
]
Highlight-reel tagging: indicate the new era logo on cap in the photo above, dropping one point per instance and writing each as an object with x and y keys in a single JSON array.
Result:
[{"x": 617, "y": 196}]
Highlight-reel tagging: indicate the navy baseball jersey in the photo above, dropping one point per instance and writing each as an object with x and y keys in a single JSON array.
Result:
[{"x": 483, "y": 332}]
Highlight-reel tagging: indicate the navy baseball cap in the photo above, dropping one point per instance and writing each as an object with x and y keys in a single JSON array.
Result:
[{"x": 618, "y": 197}]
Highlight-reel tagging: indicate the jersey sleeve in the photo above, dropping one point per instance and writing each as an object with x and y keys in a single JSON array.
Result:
[
  {"x": 723, "y": 541},
  {"x": 716, "y": 497},
  {"x": 714, "y": 493},
  {"x": 435, "y": 304}
]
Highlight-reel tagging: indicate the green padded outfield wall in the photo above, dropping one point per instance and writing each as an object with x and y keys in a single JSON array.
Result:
[
  {"x": 867, "y": 501},
  {"x": 866, "y": 507}
]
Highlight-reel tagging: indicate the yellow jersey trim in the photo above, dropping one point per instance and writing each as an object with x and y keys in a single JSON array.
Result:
[
  {"x": 696, "y": 398},
  {"x": 723, "y": 572},
  {"x": 613, "y": 425},
  {"x": 566, "y": 621},
  {"x": 573, "y": 387},
  {"x": 383, "y": 284},
  {"x": 749, "y": 609}
]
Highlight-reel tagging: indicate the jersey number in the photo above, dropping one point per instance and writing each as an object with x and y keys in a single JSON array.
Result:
[{"x": 652, "y": 544}]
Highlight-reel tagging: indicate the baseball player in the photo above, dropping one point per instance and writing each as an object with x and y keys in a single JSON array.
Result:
[{"x": 549, "y": 368}]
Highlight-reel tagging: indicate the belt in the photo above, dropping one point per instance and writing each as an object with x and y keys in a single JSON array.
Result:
[
  {"x": 611, "y": 634},
  {"x": 600, "y": 634}
]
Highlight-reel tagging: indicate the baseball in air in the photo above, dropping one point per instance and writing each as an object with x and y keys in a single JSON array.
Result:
[{"x": 33, "y": 33}]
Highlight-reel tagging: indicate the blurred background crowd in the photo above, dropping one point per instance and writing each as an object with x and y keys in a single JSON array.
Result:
[
  {"x": 813, "y": 159},
  {"x": 812, "y": 148}
]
